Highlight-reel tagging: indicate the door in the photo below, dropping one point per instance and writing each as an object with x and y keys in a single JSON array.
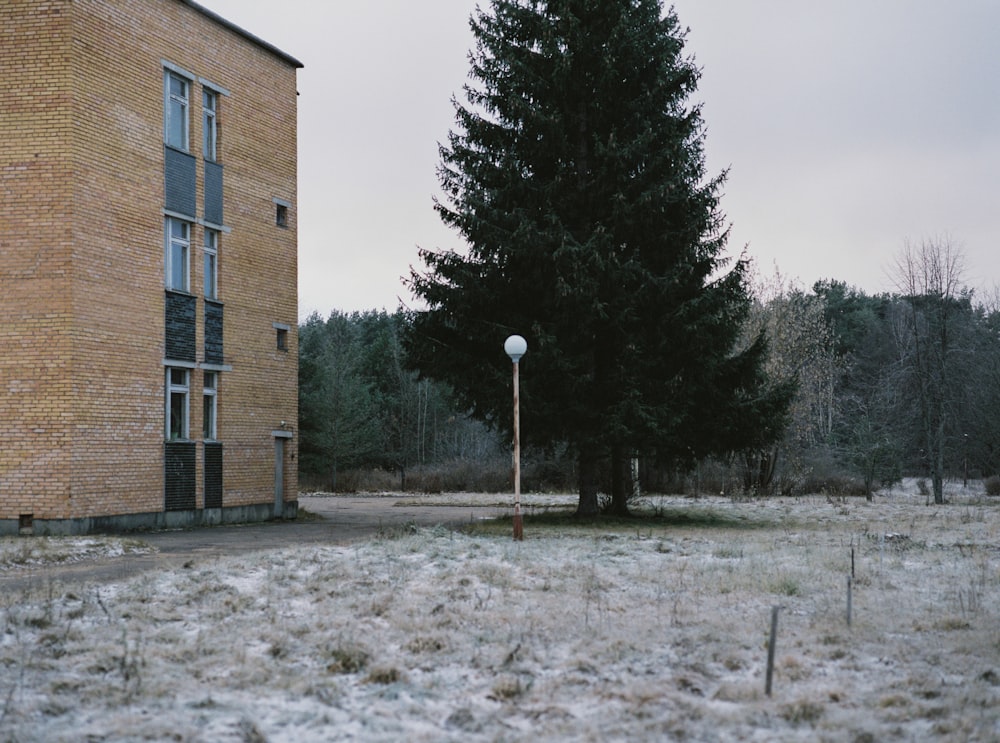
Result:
[{"x": 279, "y": 478}]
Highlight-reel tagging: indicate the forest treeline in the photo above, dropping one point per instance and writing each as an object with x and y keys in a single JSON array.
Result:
[
  {"x": 363, "y": 411},
  {"x": 892, "y": 384}
]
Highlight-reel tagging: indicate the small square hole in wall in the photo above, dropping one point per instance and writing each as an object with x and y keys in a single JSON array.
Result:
[{"x": 281, "y": 215}]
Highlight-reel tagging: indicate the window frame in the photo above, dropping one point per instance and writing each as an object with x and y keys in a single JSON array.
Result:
[
  {"x": 209, "y": 124},
  {"x": 281, "y": 336},
  {"x": 180, "y": 389},
  {"x": 210, "y": 263},
  {"x": 282, "y": 213},
  {"x": 174, "y": 243},
  {"x": 183, "y": 103},
  {"x": 210, "y": 406}
]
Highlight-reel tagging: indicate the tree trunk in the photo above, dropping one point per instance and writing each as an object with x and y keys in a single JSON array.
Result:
[
  {"x": 938, "y": 468},
  {"x": 621, "y": 480},
  {"x": 587, "y": 507}
]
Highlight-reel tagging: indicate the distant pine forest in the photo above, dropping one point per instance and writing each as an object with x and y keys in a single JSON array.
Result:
[{"x": 888, "y": 385}]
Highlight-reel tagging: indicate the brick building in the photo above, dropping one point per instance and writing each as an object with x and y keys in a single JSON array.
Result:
[{"x": 148, "y": 302}]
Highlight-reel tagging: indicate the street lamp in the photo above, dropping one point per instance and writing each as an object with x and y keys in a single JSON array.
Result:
[{"x": 515, "y": 346}]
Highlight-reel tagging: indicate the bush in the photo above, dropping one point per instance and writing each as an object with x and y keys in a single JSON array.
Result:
[
  {"x": 840, "y": 485},
  {"x": 711, "y": 478},
  {"x": 992, "y": 485},
  {"x": 351, "y": 481},
  {"x": 461, "y": 476},
  {"x": 556, "y": 475},
  {"x": 492, "y": 475}
]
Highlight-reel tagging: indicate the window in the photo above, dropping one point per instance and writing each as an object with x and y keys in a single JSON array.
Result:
[
  {"x": 209, "y": 406},
  {"x": 176, "y": 91},
  {"x": 211, "y": 264},
  {"x": 178, "y": 240},
  {"x": 281, "y": 209},
  {"x": 281, "y": 334},
  {"x": 209, "y": 125},
  {"x": 177, "y": 403}
]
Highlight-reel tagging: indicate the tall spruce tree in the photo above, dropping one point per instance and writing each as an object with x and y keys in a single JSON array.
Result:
[{"x": 576, "y": 176}]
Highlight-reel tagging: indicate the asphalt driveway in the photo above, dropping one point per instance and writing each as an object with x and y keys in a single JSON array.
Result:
[{"x": 325, "y": 520}]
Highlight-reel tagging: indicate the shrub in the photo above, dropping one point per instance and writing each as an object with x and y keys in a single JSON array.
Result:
[
  {"x": 490, "y": 475},
  {"x": 351, "y": 481},
  {"x": 992, "y": 485},
  {"x": 841, "y": 485},
  {"x": 557, "y": 475},
  {"x": 347, "y": 658},
  {"x": 384, "y": 675},
  {"x": 461, "y": 475}
]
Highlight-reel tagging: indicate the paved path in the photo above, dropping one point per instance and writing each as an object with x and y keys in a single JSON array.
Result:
[{"x": 327, "y": 520}]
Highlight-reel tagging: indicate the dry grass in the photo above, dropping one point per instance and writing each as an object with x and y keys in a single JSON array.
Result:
[{"x": 649, "y": 629}]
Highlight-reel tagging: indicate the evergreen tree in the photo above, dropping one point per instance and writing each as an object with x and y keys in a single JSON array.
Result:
[
  {"x": 338, "y": 418},
  {"x": 576, "y": 175},
  {"x": 870, "y": 424},
  {"x": 395, "y": 388}
]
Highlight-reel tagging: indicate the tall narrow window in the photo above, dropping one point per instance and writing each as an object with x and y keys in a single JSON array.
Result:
[
  {"x": 178, "y": 387},
  {"x": 209, "y": 407},
  {"x": 211, "y": 264},
  {"x": 178, "y": 240},
  {"x": 176, "y": 114},
  {"x": 209, "y": 125}
]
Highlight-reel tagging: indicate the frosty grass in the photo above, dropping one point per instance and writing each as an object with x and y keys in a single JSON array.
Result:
[{"x": 654, "y": 631}]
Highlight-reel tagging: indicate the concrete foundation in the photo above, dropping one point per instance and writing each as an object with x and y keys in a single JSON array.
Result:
[{"x": 133, "y": 522}]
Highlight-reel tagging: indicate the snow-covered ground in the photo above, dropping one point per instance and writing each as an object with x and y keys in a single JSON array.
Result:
[
  {"x": 657, "y": 631},
  {"x": 21, "y": 553}
]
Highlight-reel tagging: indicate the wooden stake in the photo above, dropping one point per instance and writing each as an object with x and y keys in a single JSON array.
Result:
[
  {"x": 849, "y": 583},
  {"x": 770, "y": 650}
]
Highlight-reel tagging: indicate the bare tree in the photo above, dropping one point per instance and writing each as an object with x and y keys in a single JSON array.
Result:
[
  {"x": 929, "y": 277},
  {"x": 800, "y": 350}
]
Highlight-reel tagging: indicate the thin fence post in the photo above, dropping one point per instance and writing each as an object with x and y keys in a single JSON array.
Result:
[
  {"x": 849, "y": 584},
  {"x": 770, "y": 650}
]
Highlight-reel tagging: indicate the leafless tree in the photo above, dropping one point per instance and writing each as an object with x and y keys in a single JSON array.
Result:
[
  {"x": 800, "y": 348},
  {"x": 929, "y": 277}
]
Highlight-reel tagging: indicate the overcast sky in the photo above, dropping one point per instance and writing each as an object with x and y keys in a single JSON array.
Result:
[{"x": 850, "y": 128}]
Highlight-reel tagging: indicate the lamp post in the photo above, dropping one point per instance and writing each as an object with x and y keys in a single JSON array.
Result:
[{"x": 515, "y": 346}]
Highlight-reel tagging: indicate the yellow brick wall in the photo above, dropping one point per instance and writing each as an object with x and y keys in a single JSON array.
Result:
[
  {"x": 83, "y": 250},
  {"x": 35, "y": 258}
]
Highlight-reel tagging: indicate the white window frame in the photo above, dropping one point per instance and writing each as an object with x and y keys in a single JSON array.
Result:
[
  {"x": 172, "y": 244},
  {"x": 211, "y": 263},
  {"x": 182, "y": 389},
  {"x": 210, "y": 409},
  {"x": 209, "y": 124},
  {"x": 181, "y": 101}
]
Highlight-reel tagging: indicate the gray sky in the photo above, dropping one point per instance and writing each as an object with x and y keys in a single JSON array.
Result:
[{"x": 850, "y": 128}]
